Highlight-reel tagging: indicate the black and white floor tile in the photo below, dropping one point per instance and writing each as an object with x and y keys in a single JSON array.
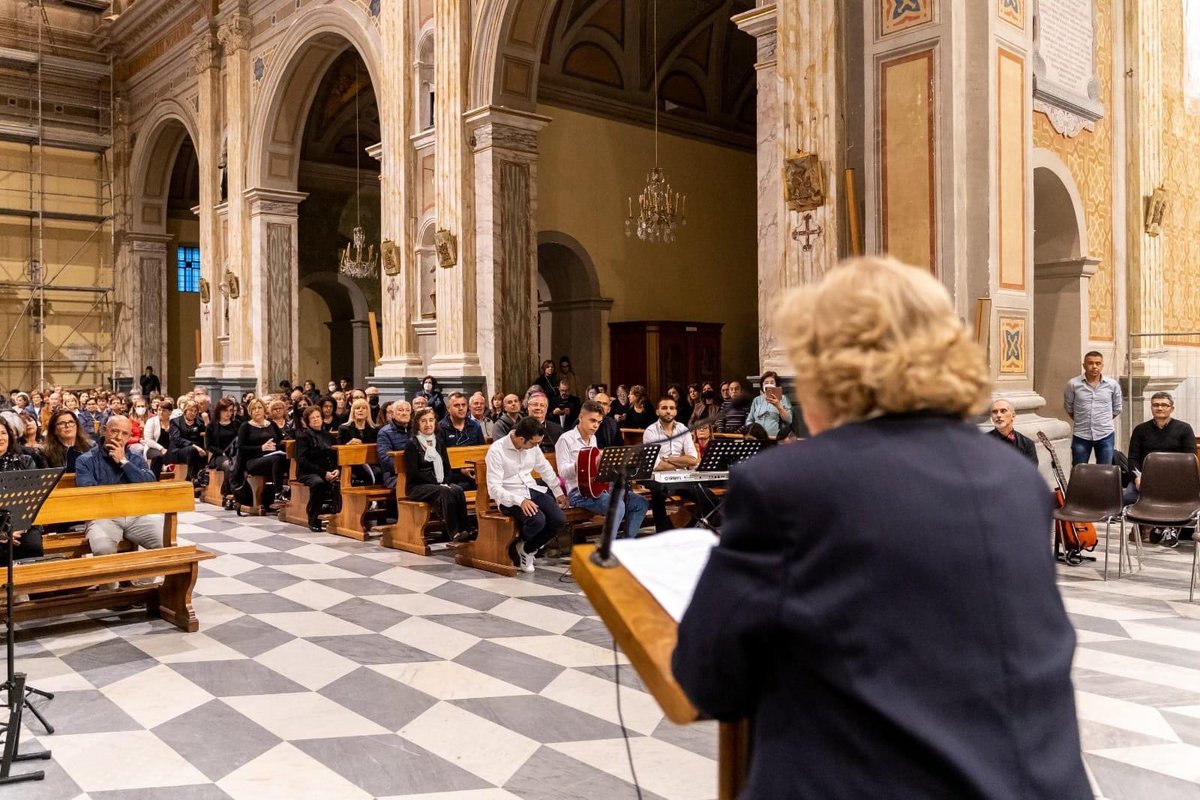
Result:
[{"x": 332, "y": 669}]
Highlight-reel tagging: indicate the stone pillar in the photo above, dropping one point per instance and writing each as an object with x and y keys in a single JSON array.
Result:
[
  {"x": 141, "y": 290},
  {"x": 1060, "y": 323},
  {"x": 206, "y": 58},
  {"x": 272, "y": 291},
  {"x": 505, "y": 169},
  {"x": 400, "y": 368},
  {"x": 799, "y": 103},
  {"x": 457, "y": 360},
  {"x": 234, "y": 35}
]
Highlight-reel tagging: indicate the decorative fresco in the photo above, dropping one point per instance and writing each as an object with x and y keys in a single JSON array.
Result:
[
  {"x": 1011, "y": 342},
  {"x": 1089, "y": 156},
  {"x": 1012, "y": 11},
  {"x": 901, "y": 15},
  {"x": 1181, "y": 171}
]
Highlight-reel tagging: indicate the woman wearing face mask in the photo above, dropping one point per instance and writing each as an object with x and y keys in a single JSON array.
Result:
[
  {"x": 26, "y": 544},
  {"x": 433, "y": 395},
  {"x": 771, "y": 409},
  {"x": 427, "y": 466},
  {"x": 708, "y": 407}
]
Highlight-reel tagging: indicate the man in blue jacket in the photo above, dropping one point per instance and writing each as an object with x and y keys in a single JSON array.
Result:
[
  {"x": 109, "y": 465},
  {"x": 393, "y": 437}
]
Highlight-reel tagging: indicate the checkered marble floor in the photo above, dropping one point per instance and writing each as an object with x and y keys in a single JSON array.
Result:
[{"x": 332, "y": 669}]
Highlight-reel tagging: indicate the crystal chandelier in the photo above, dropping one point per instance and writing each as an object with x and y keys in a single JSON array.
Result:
[
  {"x": 660, "y": 208},
  {"x": 358, "y": 260}
]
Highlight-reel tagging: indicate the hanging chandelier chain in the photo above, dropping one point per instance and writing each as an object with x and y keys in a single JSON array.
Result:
[{"x": 358, "y": 260}]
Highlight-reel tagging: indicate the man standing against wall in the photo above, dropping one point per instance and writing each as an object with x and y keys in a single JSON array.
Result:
[{"x": 1092, "y": 401}]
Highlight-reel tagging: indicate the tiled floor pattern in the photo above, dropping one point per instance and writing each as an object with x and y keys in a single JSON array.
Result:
[{"x": 332, "y": 669}]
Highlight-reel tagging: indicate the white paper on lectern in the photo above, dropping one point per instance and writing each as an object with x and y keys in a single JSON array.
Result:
[{"x": 668, "y": 564}]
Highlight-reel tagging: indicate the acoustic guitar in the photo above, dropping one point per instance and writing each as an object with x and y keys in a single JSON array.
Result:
[
  {"x": 587, "y": 468},
  {"x": 1075, "y": 537}
]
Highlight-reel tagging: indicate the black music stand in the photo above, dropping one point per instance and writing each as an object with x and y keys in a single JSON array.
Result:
[
  {"x": 22, "y": 494},
  {"x": 721, "y": 454},
  {"x": 636, "y": 462}
]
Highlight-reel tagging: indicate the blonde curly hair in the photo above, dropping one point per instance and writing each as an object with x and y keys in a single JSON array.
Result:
[{"x": 877, "y": 336}]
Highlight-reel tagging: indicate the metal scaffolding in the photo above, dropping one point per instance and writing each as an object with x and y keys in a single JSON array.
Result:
[{"x": 56, "y": 109}]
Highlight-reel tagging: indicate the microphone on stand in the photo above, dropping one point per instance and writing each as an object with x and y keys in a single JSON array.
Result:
[{"x": 603, "y": 557}]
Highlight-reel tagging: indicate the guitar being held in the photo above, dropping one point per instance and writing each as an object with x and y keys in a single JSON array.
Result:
[{"x": 579, "y": 445}]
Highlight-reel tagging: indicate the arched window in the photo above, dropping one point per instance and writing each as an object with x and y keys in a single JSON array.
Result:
[{"x": 424, "y": 83}]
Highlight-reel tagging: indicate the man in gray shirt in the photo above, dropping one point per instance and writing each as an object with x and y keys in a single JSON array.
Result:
[{"x": 1092, "y": 401}]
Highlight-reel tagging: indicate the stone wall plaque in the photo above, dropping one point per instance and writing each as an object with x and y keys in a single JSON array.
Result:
[{"x": 1065, "y": 86}]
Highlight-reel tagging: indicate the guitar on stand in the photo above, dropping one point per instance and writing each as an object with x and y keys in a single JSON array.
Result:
[{"x": 1071, "y": 539}]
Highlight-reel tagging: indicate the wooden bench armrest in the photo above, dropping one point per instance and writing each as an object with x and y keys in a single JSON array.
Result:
[{"x": 351, "y": 455}]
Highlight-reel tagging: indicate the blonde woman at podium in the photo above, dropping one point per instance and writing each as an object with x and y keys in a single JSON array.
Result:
[{"x": 882, "y": 604}]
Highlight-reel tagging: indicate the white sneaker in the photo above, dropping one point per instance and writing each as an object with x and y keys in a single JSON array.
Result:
[{"x": 526, "y": 558}]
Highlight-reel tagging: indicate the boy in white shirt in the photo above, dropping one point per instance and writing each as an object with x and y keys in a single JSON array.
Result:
[
  {"x": 536, "y": 507},
  {"x": 567, "y": 450}
]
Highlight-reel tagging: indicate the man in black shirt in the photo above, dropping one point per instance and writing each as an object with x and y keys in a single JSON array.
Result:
[
  {"x": 1159, "y": 434},
  {"x": 566, "y": 406},
  {"x": 1002, "y": 428},
  {"x": 149, "y": 383}
]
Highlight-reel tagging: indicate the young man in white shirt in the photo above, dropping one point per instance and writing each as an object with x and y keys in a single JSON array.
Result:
[
  {"x": 567, "y": 450},
  {"x": 536, "y": 506},
  {"x": 678, "y": 453}
]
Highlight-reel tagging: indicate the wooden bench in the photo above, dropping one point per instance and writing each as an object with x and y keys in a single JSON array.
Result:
[
  {"x": 296, "y": 510},
  {"x": 172, "y": 600},
  {"x": 497, "y": 531},
  {"x": 213, "y": 493},
  {"x": 352, "y": 520},
  {"x": 413, "y": 517}
]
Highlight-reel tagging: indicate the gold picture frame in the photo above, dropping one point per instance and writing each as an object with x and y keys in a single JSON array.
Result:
[
  {"x": 1156, "y": 210},
  {"x": 390, "y": 257},
  {"x": 803, "y": 182},
  {"x": 446, "y": 246}
]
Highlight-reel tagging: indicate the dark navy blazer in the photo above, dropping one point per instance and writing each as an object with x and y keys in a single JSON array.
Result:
[{"x": 883, "y": 605}]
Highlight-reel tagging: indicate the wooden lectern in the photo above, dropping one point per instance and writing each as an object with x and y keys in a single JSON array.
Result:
[{"x": 647, "y": 635}]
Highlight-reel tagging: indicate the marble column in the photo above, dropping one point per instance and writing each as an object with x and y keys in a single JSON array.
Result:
[
  {"x": 272, "y": 292},
  {"x": 400, "y": 367},
  {"x": 141, "y": 290},
  {"x": 234, "y": 35},
  {"x": 457, "y": 360},
  {"x": 206, "y": 59},
  {"x": 505, "y": 169},
  {"x": 799, "y": 108}
]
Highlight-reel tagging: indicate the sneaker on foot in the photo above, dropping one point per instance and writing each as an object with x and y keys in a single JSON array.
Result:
[
  {"x": 525, "y": 558},
  {"x": 1170, "y": 537}
]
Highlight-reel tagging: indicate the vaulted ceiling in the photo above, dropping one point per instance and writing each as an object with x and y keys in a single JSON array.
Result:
[
  {"x": 598, "y": 57},
  {"x": 329, "y": 135}
]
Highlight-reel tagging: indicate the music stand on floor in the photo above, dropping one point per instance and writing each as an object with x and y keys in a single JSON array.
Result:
[
  {"x": 22, "y": 494},
  {"x": 720, "y": 455}
]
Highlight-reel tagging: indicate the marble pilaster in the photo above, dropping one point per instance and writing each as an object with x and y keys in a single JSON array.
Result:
[
  {"x": 206, "y": 58},
  {"x": 274, "y": 244},
  {"x": 234, "y": 35},
  {"x": 505, "y": 170},
  {"x": 141, "y": 290},
  {"x": 457, "y": 358}
]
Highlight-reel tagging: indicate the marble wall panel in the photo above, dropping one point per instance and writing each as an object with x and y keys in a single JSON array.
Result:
[
  {"x": 1011, "y": 116},
  {"x": 907, "y": 158}
]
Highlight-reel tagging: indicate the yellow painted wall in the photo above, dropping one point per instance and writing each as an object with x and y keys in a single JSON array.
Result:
[
  {"x": 588, "y": 166},
  {"x": 1090, "y": 156},
  {"x": 78, "y": 328},
  {"x": 183, "y": 314},
  {"x": 1181, "y": 168}
]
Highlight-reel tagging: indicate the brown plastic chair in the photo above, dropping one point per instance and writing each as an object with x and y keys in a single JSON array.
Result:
[
  {"x": 1170, "y": 497},
  {"x": 1094, "y": 495}
]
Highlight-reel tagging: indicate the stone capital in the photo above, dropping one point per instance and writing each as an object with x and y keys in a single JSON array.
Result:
[
  {"x": 235, "y": 32},
  {"x": 763, "y": 24},
  {"x": 276, "y": 202},
  {"x": 504, "y": 129},
  {"x": 155, "y": 243},
  {"x": 206, "y": 54},
  {"x": 1067, "y": 268}
]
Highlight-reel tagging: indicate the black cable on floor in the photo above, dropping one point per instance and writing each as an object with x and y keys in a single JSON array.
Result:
[{"x": 621, "y": 719}]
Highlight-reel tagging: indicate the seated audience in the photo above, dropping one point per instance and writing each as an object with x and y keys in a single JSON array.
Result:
[
  {"x": 316, "y": 465},
  {"x": 609, "y": 433},
  {"x": 458, "y": 428},
  {"x": 187, "y": 442},
  {"x": 1002, "y": 414},
  {"x": 703, "y": 436},
  {"x": 359, "y": 430},
  {"x": 429, "y": 477},
  {"x": 565, "y": 372},
  {"x": 620, "y": 405},
  {"x": 277, "y": 412},
  {"x": 109, "y": 464},
  {"x": 511, "y": 462},
  {"x": 510, "y": 415},
  {"x": 675, "y": 452},
  {"x": 771, "y": 409},
  {"x": 32, "y": 441},
  {"x": 566, "y": 406},
  {"x": 393, "y": 438},
  {"x": 639, "y": 415},
  {"x": 708, "y": 407},
  {"x": 734, "y": 417},
  {"x": 1162, "y": 433},
  {"x": 260, "y": 452},
  {"x": 538, "y": 406},
  {"x": 377, "y": 416},
  {"x": 477, "y": 406},
  {"x": 92, "y": 418},
  {"x": 156, "y": 436},
  {"x": 329, "y": 415},
  {"x": 431, "y": 393},
  {"x": 65, "y": 440},
  {"x": 682, "y": 406},
  {"x": 26, "y": 543},
  {"x": 220, "y": 436},
  {"x": 420, "y": 401},
  {"x": 567, "y": 450}
]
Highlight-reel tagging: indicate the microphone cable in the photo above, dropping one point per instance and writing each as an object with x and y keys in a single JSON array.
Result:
[{"x": 621, "y": 718}]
